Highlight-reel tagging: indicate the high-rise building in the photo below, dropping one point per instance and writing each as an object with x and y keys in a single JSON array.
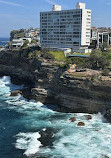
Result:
[{"x": 66, "y": 28}]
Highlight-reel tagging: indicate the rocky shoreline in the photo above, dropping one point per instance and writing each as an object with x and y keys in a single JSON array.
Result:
[{"x": 52, "y": 84}]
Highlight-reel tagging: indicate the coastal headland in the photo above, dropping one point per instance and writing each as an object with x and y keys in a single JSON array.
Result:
[{"x": 50, "y": 83}]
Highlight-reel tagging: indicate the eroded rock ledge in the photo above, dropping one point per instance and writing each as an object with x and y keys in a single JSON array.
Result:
[{"x": 51, "y": 84}]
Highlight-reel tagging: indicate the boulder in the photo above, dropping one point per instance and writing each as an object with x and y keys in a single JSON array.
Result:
[
  {"x": 73, "y": 119},
  {"x": 81, "y": 124},
  {"x": 47, "y": 137},
  {"x": 15, "y": 93},
  {"x": 88, "y": 117}
]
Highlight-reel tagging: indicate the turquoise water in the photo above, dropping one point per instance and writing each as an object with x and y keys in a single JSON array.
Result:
[{"x": 29, "y": 129}]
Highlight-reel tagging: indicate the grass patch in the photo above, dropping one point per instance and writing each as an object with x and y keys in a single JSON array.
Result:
[{"x": 58, "y": 55}]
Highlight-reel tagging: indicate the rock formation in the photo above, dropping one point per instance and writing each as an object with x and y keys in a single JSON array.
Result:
[
  {"x": 81, "y": 124},
  {"x": 15, "y": 93},
  {"x": 73, "y": 119},
  {"x": 51, "y": 84}
]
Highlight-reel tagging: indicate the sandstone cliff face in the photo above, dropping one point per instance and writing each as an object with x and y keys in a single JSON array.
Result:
[
  {"x": 76, "y": 96},
  {"x": 50, "y": 84},
  {"x": 70, "y": 93},
  {"x": 18, "y": 67}
]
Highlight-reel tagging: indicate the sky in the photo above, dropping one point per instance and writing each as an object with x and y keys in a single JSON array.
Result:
[{"x": 17, "y": 14}]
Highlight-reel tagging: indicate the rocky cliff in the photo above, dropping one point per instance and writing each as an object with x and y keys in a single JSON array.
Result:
[{"x": 52, "y": 84}]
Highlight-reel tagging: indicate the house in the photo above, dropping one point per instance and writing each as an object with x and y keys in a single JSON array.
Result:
[{"x": 18, "y": 43}]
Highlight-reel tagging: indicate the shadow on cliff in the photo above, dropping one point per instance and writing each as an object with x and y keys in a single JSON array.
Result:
[
  {"x": 76, "y": 95},
  {"x": 53, "y": 86}
]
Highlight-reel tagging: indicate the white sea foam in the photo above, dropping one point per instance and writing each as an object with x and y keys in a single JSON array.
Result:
[
  {"x": 4, "y": 41},
  {"x": 6, "y": 86},
  {"x": 6, "y": 79},
  {"x": 44, "y": 129},
  {"x": 93, "y": 140},
  {"x": 4, "y": 89},
  {"x": 28, "y": 142}
]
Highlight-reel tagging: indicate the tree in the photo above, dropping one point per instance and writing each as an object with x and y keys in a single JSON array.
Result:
[
  {"x": 34, "y": 41},
  {"x": 105, "y": 72},
  {"x": 104, "y": 46},
  {"x": 8, "y": 44},
  {"x": 26, "y": 43},
  {"x": 46, "y": 54},
  {"x": 98, "y": 60}
]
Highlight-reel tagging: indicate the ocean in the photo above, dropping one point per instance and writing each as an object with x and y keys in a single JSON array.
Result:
[
  {"x": 28, "y": 129},
  {"x": 4, "y": 41}
]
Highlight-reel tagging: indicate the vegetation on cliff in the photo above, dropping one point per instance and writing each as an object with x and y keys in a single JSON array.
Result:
[
  {"x": 58, "y": 55},
  {"x": 38, "y": 54},
  {"x": 17, "y": 34},
  {"x": 52, "y": 84},
  {"x": 98, "y": 59}
]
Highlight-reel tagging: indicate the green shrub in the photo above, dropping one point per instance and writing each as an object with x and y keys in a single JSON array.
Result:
[
  {"x": 105, "y": 72},
  {"x": 80, "y": 62},
  {"x": 34, "y": 41},
  {"x": 94, "y": 78},
  {"x": 98, "y": 60},
  {"x": 34, "y": 54},
  {"x": 45, "y": 53},
  {"x": 26, "y": 43}
]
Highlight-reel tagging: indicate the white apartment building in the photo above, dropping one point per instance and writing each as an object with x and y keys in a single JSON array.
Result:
[{"x": 64, "y": 29}]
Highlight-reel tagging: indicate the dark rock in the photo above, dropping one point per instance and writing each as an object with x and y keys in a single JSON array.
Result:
[
  {"x": 96, "y": 130},
  {"x": 73, "y": 119},
  {"x": 51, "y": 84},
  {"x": 81, "y": 124},
  {"x": 15, "y": 93},
  {"x": 88, "y": 117},
  {"x": 47, "y": 137},
  {"x": 108, "y": 115},
  {"x": 106, "y": 156}
]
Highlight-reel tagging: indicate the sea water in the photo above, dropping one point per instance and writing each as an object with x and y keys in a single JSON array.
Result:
[
  {"x": 30, "y": 129},
  {"x": 4, "y": 41}
]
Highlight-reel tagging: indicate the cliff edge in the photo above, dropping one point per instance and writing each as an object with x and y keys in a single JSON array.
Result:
[{"x": 50, "y": 83}]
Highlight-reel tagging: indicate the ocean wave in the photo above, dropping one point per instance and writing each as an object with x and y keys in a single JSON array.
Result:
[
  {"x": 6, "y": 80},
  {"x": 69, "y": 141},
  {"x": 28, "y": 142},
  {"x": 4, "y": 41}
]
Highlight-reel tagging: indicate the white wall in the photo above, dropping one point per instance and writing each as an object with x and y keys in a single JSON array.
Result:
[
  {"x": 56, "y": 8},
  {"x": 80, "y": 5},
  {"x": 73, "y": 25},
  {"x": 85, "y": 26}
]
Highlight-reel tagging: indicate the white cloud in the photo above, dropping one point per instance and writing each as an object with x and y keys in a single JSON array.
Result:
[
  {"x": 11, "y": 3},
  {"x": 50, "y": 2}
]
